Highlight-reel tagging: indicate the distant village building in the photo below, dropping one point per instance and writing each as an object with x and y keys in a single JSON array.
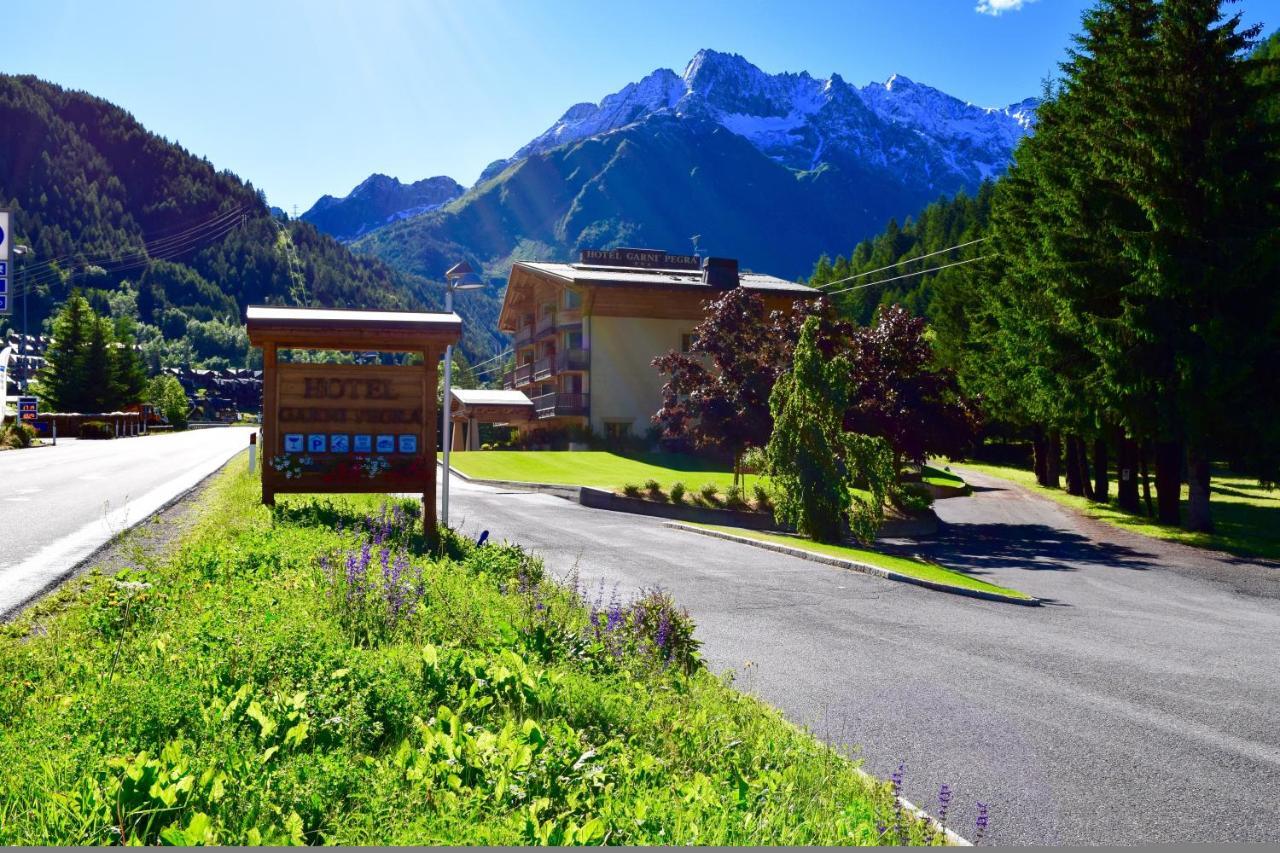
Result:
[{"x": 585, "y": 334}]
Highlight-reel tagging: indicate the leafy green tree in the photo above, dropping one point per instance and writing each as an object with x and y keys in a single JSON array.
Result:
[
  {"x": 806, "y": 452},
  {"x": 166, "y": 394}
]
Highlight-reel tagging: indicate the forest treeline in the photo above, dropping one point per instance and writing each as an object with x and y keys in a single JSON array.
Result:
[
  {"x": 153, "y": 235},
  {"x": 1114, "y": 296}
]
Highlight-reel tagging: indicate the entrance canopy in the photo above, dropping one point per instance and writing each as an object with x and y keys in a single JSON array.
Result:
[{"x": 472, "y": 407}]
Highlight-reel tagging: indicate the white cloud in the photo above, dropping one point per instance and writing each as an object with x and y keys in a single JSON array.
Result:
[{"x": 999, "y": 7}]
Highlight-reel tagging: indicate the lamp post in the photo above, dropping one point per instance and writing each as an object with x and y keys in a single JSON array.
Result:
[
  {"x": 21, "y": 252},
  {"x": 459, "y": 277}
]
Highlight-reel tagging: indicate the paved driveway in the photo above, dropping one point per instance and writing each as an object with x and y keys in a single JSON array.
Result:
[{"x": 1140, "y": 705}]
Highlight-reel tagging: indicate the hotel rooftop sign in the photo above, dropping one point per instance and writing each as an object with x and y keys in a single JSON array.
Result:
[{"x": 654, "y": 259}]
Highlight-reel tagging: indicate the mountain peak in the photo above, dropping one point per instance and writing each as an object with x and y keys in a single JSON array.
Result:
[
  {"x": 377, "y": 200},
  {"x": 897, "y": 82}
]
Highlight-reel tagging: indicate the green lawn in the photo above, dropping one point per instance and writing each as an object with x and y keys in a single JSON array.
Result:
[
  {"x": 939, "y": 477},
  {"x": 906, "y": 565},
  {"x": 1247, "y": 516},
  {"x": 598, "y": 468},
  {"x": 313, "y": 674}
]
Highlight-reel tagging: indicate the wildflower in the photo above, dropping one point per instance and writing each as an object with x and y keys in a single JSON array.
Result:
[
  {"x": 980, "y": 825},
  {"x": 944, "y": 802}
]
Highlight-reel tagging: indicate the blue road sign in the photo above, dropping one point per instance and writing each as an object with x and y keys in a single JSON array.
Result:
[
  {"x": 293, "y": 442},
  {"x": 339, "y": 442},
  {"x": 316, "y": 442},
  {"x": 409, "y": 443},
  {"x": 386, "y": 444},
  {"x": 364, "y": 443}
]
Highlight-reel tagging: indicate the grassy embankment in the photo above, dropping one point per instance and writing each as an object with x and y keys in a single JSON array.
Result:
[
  {"x": 921, "y": 569},
  {"x": 1246, "y": 515},
  {"x": 310, "y": 675}
]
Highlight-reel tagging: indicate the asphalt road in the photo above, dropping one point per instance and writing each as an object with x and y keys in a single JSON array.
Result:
[
  {"x": 60, "y": 504},
  {"x": 1140, "y": 705}
]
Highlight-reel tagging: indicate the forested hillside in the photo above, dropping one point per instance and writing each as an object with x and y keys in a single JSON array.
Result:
[{"x": 149, "y": 231}]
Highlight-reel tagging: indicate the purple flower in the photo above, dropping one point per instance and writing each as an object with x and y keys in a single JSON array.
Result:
[
  {"x": 980, "y": 825},
  {"x": 944, "y": 802}
]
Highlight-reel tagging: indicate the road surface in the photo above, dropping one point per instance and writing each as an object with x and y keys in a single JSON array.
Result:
[
  {"x": 60, "y": 504},
  {"x": 1139, "y": 705}
]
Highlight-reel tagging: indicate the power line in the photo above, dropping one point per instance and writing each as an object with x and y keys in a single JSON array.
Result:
[
  {"x": 149, "y": 244},
  {"x": 909, "y": 275},
  {"x": 169, "y": 252},
  {"x": 900, "y": 263}
]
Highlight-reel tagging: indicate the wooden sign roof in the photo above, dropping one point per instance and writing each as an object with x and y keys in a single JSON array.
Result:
[{"x": 346, "y": 329}]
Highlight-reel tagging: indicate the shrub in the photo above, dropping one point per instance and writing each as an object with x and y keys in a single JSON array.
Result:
[
  {"x": 764, "y": 502},
  {"x": 17, "y": 435},
  {"x": 913, "y": 498},
  {"x": 97, "y": 429},
  {"x": 733, "y": 499},
  {"x": 654, "y": 488},
  {"x": 166, "y": 394},
  {"x": 631, "y": 490},
  {"x": 710, "y": 494},
  {"x": 677, "y": 493}
]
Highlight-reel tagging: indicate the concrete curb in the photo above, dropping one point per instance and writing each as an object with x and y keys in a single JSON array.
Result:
[
  {"x": 854, "y": 566},
  {"x": 569, "y": 493}
]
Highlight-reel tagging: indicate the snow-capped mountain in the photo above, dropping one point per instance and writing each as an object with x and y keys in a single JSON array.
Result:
[
  {"x": 772, "y": 169},
  {"x": 933, "y": 139},
  {"x": 377, "y": 201}
]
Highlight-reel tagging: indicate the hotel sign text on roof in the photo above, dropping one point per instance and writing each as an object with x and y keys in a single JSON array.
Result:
[{"x": 639, "y": 258}]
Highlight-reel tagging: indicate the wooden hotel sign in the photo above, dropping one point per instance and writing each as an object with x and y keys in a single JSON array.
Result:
[{"x": 349, "y": 428}]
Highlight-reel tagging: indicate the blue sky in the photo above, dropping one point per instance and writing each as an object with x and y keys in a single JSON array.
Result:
[{"x": 310, "y": 97}]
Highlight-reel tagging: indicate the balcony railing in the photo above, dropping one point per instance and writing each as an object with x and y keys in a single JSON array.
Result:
[
  {"x": 572, "y": 359},
  {"x": 523, "y": 335},
  {"x": 545, "y": 323},
  {"x": 559, "y": 404},
  {"x": 518, "y": 378},
  {"x": 543, "y": 368}
]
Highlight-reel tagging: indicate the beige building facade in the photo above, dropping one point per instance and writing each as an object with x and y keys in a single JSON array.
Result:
[{"x": 585, "y": 335}]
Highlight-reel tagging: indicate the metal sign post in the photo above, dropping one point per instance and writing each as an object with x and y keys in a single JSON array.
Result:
[{"x": 6, "y": 262}]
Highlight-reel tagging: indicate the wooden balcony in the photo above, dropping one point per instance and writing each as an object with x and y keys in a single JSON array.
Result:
[
  {"x": 544, "y": 368},
  {"x": 518, "y": 378},
  {"x": 572, "y": 359},
  {"x": 560, "y": 405},
  {"x": 523, "y": 335},
  {"x": 546, "y": 323}
]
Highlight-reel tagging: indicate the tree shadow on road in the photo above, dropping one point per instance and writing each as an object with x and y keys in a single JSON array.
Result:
[{"x": 979, "y": 548}]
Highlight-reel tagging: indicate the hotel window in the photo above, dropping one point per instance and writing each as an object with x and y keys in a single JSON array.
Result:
[
  {"x": 572, "y": 299},
  {"x": 687, "y": 340}
]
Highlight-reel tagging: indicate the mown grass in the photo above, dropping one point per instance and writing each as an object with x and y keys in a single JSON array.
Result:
[
  {"x": 1246, "y": 515},
  {"x": 242, "y": 691},
  {"x": 921, "y": 569},
  {"x": 940, "y": 477},
  {"x": 598, "y": 468}
]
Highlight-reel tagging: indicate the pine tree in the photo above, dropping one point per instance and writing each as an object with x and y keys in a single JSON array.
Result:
[
  {"x": 64, "y": 375},
  {"x": 98, "y": 392},
  {"x": 128, "y": 375},
  {"x": 1204, "y": 172}
]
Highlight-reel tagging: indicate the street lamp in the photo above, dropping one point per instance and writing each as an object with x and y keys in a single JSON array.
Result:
[
  {"x": 20, "y": 251},
  {"x": 459, "y": 277}
]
